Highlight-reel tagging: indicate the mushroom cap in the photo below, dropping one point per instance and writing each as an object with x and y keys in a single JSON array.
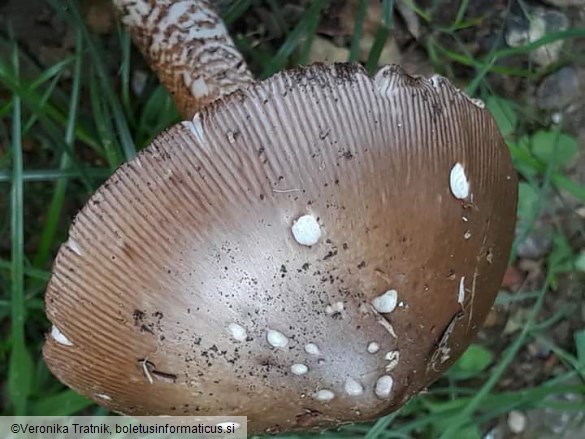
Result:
[{"x": 183, "y": 290}]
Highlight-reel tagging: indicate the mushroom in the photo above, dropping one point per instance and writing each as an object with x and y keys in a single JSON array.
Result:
[
  {"x": 311, "y": 250},
  {"x": 188, "y": 46}
]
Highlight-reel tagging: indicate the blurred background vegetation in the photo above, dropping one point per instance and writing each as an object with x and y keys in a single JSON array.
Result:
[{"x": 77, "y": 100}]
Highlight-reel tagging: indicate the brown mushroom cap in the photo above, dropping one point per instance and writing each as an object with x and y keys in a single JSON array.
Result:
[{"x": 183, "y": 289}]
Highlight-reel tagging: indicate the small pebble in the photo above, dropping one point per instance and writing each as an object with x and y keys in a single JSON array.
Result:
[{"x": 517, "y": 421}]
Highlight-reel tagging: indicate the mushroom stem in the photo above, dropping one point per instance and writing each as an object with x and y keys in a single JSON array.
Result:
[{"x": 188, "y": 46}]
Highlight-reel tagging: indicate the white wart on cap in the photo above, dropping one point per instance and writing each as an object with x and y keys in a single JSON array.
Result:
[
  {"x": 386, "y": 303},
  {"x": 193, "y": 295},
  {"x": 306, "y": 230}
]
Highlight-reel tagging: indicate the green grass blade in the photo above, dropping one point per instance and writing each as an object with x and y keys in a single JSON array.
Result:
[
  {"x": 281, "y": 57},
  {"x": 104, "y": 80},
  {"x": 418, "y": 11},
  {"x": 380, "y": 425},
  {"x": 20, "y": 367},
  {"x": 464, "y": 416},
  {"x": 52, "y": 72},
  {"x": 56, "y": 174},
  {"x": 381, "y": 36},
  {"x": 471, "y": 89},
  {"x": 572, "y": 187},
  {"x": 44, "y": 99},
  {"x": 103, "y": 123},
  {"x": 158, "y": 113},
  {"x": 56, "y": 204},
  {"x": 47, "y": 115},
  {"x": 33, "y": 273},
  {"x": 489, "y": 62},
  {"x": 463, "y": 5},
  {"x": 354, "y": 51},
  {"x": 235, "y": 10},
  {"x": 547, "y": 39},
  {"x": 125, "y": 69},
  {"x": 66, "y": 403},
  {"x": 310, "y": 32},
  {"x": 50, "y": 115}
]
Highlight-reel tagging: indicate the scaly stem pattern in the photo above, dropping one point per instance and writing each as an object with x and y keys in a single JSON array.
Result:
[{"x": 188, "y": 46}]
